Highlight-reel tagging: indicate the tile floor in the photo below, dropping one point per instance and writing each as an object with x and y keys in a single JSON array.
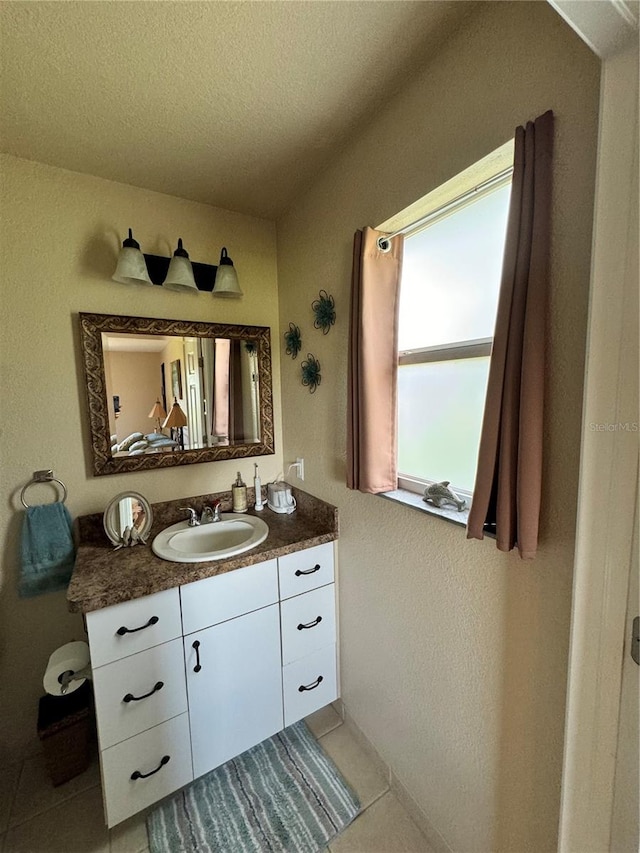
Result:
[{"x": 35, "y": 817}]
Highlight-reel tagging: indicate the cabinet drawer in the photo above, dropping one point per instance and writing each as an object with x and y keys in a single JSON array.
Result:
[
  {"x": 145, "y": 754},
  {"x": 139, "y": 692},
  {"x": 133, "y": 626},
  {"x": 213, "y": 600},
  {"x": 309, "y": 684},
  {"x": 308, "y": 623},
  {"x": 305, "y": 570}
]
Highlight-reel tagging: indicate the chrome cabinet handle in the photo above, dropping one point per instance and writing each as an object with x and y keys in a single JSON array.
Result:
[
  {"x": 307, "y": 571},
  {"x": 122, "y": 631},
  {"x": 131, "y": 698},
  {"x": 138, "y": 775},
  {"x": 313, "y": 686},
  {"x": 313, "y": 624}
]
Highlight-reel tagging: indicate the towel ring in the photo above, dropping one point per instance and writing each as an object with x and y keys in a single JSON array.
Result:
[{"x": 45, "y": 476}]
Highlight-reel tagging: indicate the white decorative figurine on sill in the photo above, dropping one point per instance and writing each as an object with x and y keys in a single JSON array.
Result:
[{"x": 439, "y": 494}]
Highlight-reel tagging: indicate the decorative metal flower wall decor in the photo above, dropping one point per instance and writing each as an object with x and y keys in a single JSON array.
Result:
[
  {"x": 324, "y": 309},
  {"x": 293, "y": 340},
  {"x": 311, "y": 372}
]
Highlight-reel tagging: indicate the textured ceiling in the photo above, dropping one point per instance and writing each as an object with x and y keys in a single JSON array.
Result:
[{"x": 235, "y": 104}]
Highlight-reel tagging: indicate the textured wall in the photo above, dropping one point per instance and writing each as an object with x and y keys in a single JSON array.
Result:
[
  {"x": 59, "y": 243},
  {"x": 454, "y": 655}
]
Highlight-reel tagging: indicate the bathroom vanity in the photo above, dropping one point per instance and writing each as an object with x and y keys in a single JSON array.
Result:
[{"x": 195, "y": 663}]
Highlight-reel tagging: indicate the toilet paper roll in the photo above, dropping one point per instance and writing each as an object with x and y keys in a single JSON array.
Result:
[{"x": 70, "y": 657}]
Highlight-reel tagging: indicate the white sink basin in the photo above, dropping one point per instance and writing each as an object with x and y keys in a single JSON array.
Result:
[{"x": 216, "y": 540}]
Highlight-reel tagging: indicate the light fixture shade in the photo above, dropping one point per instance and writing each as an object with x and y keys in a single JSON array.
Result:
[
  {"x": 226, "y": 283},
  {"x": 180, "y": 272},
  {"x": 158, "y": 411},
  {"x": 131, "y": 267},
  {"x": 176, "y": 417}
]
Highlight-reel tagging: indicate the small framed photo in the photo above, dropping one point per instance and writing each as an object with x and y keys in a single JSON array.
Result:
[{"x": 176, "y": 379}]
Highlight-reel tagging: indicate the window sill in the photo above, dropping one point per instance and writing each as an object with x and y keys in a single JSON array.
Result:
[{"x": 415, "y": 501}]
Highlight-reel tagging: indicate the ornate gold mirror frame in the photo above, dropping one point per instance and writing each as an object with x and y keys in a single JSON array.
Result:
[{"x": 104, "y": 462}]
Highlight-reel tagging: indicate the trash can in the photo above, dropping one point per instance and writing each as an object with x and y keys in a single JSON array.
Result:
[{"x": 64, "y": 728}]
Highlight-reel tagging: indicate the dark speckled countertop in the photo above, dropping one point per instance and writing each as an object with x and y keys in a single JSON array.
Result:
[{"x": 102, "y": 576}]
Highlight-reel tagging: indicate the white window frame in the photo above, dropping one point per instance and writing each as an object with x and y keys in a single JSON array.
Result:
[{"x": 478, "y": 181}]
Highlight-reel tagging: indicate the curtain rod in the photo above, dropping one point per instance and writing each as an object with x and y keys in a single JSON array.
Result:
[{"x": 384, "y": 243}]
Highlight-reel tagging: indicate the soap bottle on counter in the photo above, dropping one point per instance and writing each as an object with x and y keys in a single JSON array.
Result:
[{"x": 239, "y": 495}]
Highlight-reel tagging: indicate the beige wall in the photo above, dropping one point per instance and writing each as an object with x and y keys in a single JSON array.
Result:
[
  {"x": 60, "y": 236},
  {"x": 454, "y": 655},
  {"x": 136, "y": 401}
]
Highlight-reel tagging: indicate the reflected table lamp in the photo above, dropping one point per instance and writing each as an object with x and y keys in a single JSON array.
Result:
[
  {"x": 159, "y": 414},
  {"x": 176, "y": 419}
]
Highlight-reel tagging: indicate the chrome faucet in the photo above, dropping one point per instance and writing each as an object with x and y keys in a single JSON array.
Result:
[
  {"x": 194, "y": 521},
  {"x": 210, "y": 514}
]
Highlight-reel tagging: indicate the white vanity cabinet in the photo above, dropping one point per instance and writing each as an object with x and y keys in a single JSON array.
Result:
[{"x": 188, "y": 678}]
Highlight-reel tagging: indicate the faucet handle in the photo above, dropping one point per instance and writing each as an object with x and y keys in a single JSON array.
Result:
[
  {"x": 194, "y": 521},
  {"x": 211, "y": 512}
]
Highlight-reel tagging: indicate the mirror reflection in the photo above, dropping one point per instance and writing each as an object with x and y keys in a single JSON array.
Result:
[
  {"x": 170, "y": 393},
  {"x": 175, "y": 392}
]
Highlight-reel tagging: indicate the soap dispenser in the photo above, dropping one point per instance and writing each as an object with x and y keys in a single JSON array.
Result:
[{"x": 239, "y": 495}]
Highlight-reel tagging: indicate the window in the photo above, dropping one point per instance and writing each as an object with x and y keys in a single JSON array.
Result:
[{"x": 448, "y": 301}]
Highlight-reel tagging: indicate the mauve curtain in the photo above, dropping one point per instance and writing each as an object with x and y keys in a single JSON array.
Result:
[
  {"x": 373, "y": 364},
  {"x": 506, "y": 497}
]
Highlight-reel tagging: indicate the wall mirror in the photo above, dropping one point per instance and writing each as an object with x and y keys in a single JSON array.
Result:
[{"x": 175, "y": 392}]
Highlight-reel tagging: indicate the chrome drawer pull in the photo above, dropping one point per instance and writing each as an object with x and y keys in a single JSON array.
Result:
[
  {"x": 138, "y": 775},
  {"x": 310, "y": 624},
  {"x": 196, "y": 645},
  {"x": 131, "y": 698},
  {"x": 122, "y": 631},
  {"x": 307, "y": 571},
  {"x": 313, "y": 686}
]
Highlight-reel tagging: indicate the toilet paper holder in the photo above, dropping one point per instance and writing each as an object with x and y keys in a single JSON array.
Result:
[
  {"x": 68, "y": 668},
  {"x": 65, "y": 678}
]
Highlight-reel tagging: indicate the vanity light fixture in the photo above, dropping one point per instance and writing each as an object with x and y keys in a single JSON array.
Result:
[
  {"x": 131, "y": 268},
  {"x": 226, "y": 283},
  {"x": 158, "y": 413},
  {"x": 176, "y": 273},
  {"x": 180, "y": 272},
  {"x": 176, "y": 419}
]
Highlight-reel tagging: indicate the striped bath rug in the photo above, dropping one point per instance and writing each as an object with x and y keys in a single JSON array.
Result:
[{"x": 284, "y": 795}]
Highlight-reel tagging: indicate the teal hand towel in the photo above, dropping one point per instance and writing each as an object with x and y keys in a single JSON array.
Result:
[{"x": 47, "y": 549}]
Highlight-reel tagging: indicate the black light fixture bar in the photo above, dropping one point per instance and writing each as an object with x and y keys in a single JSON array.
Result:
[{"x": 204, "y": 274}]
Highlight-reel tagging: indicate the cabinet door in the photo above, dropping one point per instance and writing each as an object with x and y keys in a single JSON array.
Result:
[{"x": 234, "y": 683}]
